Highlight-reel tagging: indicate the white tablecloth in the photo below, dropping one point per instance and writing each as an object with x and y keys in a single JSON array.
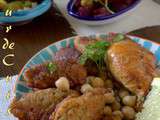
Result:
[
  {"x": 147, "y": 14},
  {"x": 6, "y": 95}
]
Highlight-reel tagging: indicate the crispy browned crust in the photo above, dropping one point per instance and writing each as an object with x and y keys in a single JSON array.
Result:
[
  {"x": 131, "y": 65},
  {"x": 39, "y": 77},
  {"x": 86, "y": 107},
  {"x": 66, "y": 61},
  {"x": 38, "y": 105}
]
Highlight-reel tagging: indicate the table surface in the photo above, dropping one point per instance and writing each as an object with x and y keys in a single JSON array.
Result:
[{"x": 51, "y": 27}]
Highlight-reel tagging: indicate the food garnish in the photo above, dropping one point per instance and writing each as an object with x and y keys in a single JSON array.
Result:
[
  {"x": 51, "y": 67},
  {"x": 96, "y": 53}
]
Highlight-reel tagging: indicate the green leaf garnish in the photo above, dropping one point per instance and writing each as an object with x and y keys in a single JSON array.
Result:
[
  {"x": 51, "y": 67},
  {"x": 96, "y": 53},
  {"x": 118, "y": 37}
]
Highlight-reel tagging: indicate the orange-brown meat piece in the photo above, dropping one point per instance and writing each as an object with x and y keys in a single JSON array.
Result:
[
  {"x": 66, "y": 61},
  {"x": 38, "y": 105},
  {"x": 38, "y": 76},
  {"x": 131, "y": 65},
  {"x": 89, "y": 106}
]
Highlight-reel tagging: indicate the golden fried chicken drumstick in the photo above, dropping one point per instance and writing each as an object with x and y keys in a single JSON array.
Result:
[
  {"x": 38, "y": 105},
  {"x": 89, "y": 106},
  {"x": 131, "y": 65}
]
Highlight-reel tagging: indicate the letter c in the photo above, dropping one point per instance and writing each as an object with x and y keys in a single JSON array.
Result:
[{"x": 4, "y": 60}]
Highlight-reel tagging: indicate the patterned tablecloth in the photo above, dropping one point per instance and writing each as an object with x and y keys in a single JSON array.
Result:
[{"x": 6, "y": 95}]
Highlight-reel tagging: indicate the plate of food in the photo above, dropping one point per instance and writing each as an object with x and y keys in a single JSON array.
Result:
[
  {"x": 22, "y": 11},
  {"x": 98, "y": 77}
]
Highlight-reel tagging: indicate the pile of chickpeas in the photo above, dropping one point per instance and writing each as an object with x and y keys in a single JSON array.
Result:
[{"x": 120, "y": 105}]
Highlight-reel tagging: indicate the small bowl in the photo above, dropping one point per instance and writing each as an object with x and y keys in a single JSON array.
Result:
[
  {"x": 24, "y": 16},
  {"x": 101, "y": 19}
]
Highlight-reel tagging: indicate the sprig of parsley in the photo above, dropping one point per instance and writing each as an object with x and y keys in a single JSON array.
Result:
[
  {"x": 96, "y": 53},
  {"x": 52, "y": 67}
]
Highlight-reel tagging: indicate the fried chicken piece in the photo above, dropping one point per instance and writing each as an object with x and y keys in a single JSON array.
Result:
[
  {"x": 89, "y": 106},
  {"x": 131, "y": 65},
  {"x": 66, "y": 61},
  {"x": 38, "y": 105},
  {"x": 75, "y": 72},
  {"x": 39, "y": 76}
]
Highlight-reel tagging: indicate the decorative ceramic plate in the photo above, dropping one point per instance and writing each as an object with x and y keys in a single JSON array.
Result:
[{"x": 48, "y": 54}]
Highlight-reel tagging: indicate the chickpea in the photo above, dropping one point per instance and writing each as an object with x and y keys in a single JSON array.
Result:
[
  {"x": 108, "y": 84},
  {"x": 107, "y": 110},
  {"x": 116, "y": 106},
  {"x": 128, "y": 112},
  {"x": 118, "y": 113},
  {"x": 86, "y": 88},
  {"x": 108, "y": 118},
  {"x": 86, "y": 2},
  {"x": 89, "y": 79},
  {"x": 109, "y": 98},
  {"x": 129, "y": 101},
  {"x": 112, "y": 118},
  {"x": 96, "y": 82},
  {"x": 118, "y": 98},
  {"x": 116, "y": 118},
  {"x": 123, "y": 93},
  {"x": 63, "y": 84}
]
